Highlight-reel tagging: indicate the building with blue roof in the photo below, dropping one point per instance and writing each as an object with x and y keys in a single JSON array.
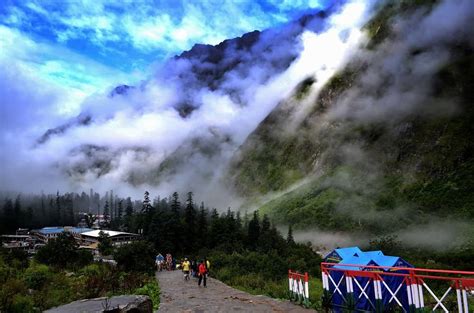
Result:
[{"x": 47, "y": 233}]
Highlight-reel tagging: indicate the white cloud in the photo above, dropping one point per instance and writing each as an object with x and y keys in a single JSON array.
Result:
[
  {"x": 149, "y": 25},
  {"x": 135, "y": 132},
  {"x": 65, "y": 69}
]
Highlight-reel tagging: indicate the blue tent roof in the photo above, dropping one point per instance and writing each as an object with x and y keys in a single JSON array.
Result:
[
  {"x": 360, "y": 259},
  {"x": 353, "y": 255},
  {"x": 340, "y": 254}
]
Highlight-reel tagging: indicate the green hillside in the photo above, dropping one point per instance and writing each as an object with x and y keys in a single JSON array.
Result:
[{"x": 409, "y": 163}]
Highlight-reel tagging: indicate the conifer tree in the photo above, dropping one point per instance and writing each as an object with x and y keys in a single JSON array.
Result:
[
  {"x": 106, "y": 211},
  {"x": 128, "y": 214},
  {"x": 8, "y": 216},
  {"x": 120, "y": 209},
  {"x": 190, "y": 222},
  {"x": 17, "y": 213},
  {"x": 265, "y": 223},
  {"x": 254, "y": 230},
  {"x": 58, "y": 209},
  {"x": 202, "y": 225},
  {"x": 174, "y": 225},
  {"x": 289, "y": 238},
  {"x": 175, "y": 204},
  {"x": 128, "y": 207},
  {"x": 146, "y": 207}
]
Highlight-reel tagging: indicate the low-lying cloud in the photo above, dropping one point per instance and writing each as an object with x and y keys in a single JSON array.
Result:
[{"x": 132, "y": 140}]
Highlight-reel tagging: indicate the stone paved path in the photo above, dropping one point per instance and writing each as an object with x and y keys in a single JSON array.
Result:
[{"x": 178, "y": 295}]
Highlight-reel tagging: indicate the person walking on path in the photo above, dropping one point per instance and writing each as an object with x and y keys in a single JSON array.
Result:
[
  {"x": 169, "y": 261},
  {"x": 194, "y": 268},
  {"x": 186, "y": 267},
  {"x": 202, "y": 273},
  {"x": 159, "y": 262}
]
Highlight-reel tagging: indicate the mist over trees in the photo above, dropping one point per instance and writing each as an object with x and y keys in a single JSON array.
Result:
[
  {"x": 61, "y": 209},
  {"x": 169, "y": 224}
]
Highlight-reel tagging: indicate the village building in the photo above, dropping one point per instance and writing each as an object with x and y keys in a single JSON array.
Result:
[
  {"x": 18, "y": 242},
  {"x": 118, "y": 238},
  {"x": 47, "y": 233}
]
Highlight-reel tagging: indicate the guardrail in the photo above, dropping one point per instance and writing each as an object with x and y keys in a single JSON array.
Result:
[
  {"x": 367, "y": 288},
  {"x": 298, "y": 285}
]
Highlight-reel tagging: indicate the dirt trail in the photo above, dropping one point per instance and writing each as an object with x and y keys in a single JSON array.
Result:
[{"x": 178, "y": 295}]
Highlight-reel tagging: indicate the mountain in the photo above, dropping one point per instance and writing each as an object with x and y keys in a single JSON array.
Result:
[
  {"x": 356, "y": 119},
  {"x": 232, "y": 73},
  {"x": 80, "y": 120},
  {"x": 386, "y": 143}
]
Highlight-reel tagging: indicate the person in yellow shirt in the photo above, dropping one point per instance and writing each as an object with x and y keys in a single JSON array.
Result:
[{"x": 186, "y": 266}]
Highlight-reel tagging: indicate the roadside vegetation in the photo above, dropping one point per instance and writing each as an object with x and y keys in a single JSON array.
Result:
[{"x": 60, "y": 273}]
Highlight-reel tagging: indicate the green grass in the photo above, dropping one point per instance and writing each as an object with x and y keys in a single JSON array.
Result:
[
  {"x": 266, "y": 273},
  {"x": 151, "y": 289}
]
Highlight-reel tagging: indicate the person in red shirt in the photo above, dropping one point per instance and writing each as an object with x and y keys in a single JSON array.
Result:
[{"x": 202, "y": 273}]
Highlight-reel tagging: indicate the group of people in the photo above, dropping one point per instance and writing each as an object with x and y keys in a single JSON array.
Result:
[
  {"x": 196, "y": 269},
  {"x": 165, "y": 263},
  {"x": 199, "y": 270}
]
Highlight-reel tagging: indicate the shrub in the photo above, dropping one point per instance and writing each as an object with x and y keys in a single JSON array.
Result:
[
  {"x": 36, "y": 276},
  {"x": 152, "y": 290},
  {"x": 136, "y": 257},
  {"x": 22, "y": 304},
  {"x": 63, "y": 252}
]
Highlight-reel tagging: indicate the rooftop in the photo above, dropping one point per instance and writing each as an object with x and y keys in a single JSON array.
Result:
[
  {"x": 111, "y": 233},
  {"x": 58, "y": 229}
]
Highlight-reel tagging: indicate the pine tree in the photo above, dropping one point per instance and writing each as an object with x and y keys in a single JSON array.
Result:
[
  {"x": 106, "y": 212},
  {"x": 68, "y": 218},
  {"x": 8, "y": 216},
  {"x": 265, "y": 223},
  {"x": 175, "y": 204},
  {"x": 128, "y": 214},
  {"x": 120, "y": 209},
  {"x": 289, "y": 238},
  {"x": 216, "y": 229},
  {"x": 58, "y": 209},
  {"x": 43, "y": 216},
  {"x": 174, "y": 225},
  {"x": 190, "y": 223},
  {"x": 202, "y": 225},
  {"x": 128, "y": 207},
  {"x": 146, "y": 207},
  {"x": 17, "y": 213},
  {"x": 254, "y": 230}
]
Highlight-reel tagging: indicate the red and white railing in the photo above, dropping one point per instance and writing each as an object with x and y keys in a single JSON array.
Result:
[
  {"x": 351, "y": 283},
  {"x": 298, "y": 285}
]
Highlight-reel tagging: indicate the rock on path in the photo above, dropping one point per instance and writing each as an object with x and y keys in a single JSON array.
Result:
[{"x": 178, "y": 295}]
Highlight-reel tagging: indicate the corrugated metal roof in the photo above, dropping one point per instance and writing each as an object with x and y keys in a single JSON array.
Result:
[{"x": 111, "y": 233}]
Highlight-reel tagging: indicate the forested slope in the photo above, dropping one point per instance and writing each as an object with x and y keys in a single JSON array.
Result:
[{"x": 387, "y": 142}]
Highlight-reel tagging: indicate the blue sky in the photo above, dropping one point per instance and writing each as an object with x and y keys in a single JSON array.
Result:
[{"x": 88, "y": 45}]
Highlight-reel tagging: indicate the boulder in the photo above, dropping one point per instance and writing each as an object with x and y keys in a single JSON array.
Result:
[{"x": 117, "y": 304}]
